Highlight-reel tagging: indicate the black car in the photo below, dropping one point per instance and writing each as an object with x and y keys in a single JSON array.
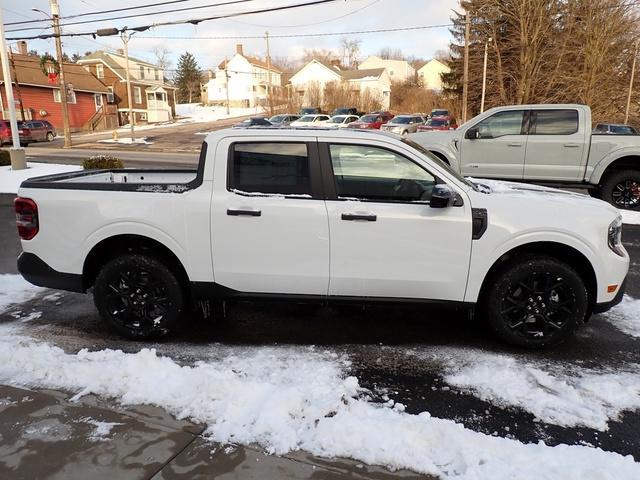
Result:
[
  {"x": 41, "y": 130},
  {"x": 309, "y": 111},
  {"x": 347, "y": 111},
  {"x": 254, "y": 122}
]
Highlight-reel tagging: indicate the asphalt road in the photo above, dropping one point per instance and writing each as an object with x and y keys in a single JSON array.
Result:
[{"x": 377, "y": 341}]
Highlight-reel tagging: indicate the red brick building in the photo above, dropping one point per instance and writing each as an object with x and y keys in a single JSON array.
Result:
[{"x": 37, "y": 99}]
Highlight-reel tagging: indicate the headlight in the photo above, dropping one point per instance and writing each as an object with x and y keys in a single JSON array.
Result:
[{"x": 614, "y": 237}]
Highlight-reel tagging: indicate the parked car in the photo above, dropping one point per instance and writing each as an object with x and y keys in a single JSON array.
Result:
[
  {"x": 403, "y": 124},
  {"x": 340, "y": 121},
  {"x": 309, "y": 111},
  {"x": 41, "y": 130},
  {"x": 347, "y": 111},
  {"x": 371, "y": 121},
  {"x": 283, "y": 120},
  {"x": 439, "y": 112},
  {"x": 310, "y": 121},
  {"x": 438, "y": 123},
  {"x": 545, "y": 144},
  {"x": 533, "y": 262},
  {"x": 24, "y": 133},
  {"x": 254, "y": 122},
  {"x": 614, "y": 129}
]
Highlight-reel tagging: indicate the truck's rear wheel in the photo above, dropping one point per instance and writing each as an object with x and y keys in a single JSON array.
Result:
[
  {"x": 622, "y": 189},
  {"x": 535, "y": 302},
  {"x": 138, "y": 296}
]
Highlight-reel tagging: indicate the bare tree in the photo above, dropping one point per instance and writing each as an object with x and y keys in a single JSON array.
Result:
[
  {"x": 350, "y": 50},
  {"x": 163, "y": 59},
  {"x": 388, "y": 53}
]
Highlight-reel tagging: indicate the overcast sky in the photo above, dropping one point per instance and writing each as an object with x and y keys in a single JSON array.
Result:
[{"x": 356, "y": 15}]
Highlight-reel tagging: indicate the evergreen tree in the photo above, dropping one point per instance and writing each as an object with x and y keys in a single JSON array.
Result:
[{"x": 188, "y": 78}]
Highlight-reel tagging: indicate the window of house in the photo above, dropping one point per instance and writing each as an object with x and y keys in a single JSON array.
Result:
[
  {"x": 110, "y": 95},
  {"x": 71, "y": 97},
  {"x": 270, "y": 168},
  {"x": 554, "y": 122},
  {"x": 137, "y": 95},
  {"x": 141, "y": 72},
  {"x": 98, "y": 99},
  {"x": 380, "y": 175},
  {"x": 157, "y": 73},
  {"x": 99, "y": 70}
]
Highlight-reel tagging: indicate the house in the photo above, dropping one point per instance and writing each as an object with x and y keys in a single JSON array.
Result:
[
  {"x": 429, "y": 74},
  {"x": 318, "y": 73},
  {"x": 152, "y": 97},
  {"x": 398, "y": 70},
  {"x": 38, "y": 99},
  {"x": 242, "y": 80}
]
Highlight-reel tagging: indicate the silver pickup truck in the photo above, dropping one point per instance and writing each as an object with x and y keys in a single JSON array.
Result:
[{"x": 544, "y": 144}]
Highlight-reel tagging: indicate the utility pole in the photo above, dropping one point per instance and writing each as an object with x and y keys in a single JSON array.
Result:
[
  {"x": 125, "y": 40},
  {"x": 484, "y": 74},
  {"x": 16, "y": 153},
  {"x": 226, "y": 76},
  {"x": 15, "y": 76},
  {"x": 55, "y": 18},
  {"x": 465, "y": 74},
  {"x": 269, "y": 86},
  {"x": 633, "y": 74}
]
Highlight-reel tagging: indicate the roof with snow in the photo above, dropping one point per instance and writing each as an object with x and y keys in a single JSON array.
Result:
[{"x": 253, "y": 61}]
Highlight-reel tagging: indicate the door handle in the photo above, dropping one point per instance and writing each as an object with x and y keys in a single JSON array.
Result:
[
  {"x": 367, "y": 217},
  {"x": 515, "y": 144},
  {"x": 572, "y": 145},
  {"x": 248, "y": 213}
]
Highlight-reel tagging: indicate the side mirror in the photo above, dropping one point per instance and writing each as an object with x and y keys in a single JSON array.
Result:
[
  {"x": 472, "y": 134},
  {"x": 442, "y": 196}
]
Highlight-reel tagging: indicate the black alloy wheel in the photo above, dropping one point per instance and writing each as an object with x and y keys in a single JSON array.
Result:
[{"x": 622, "y": 189}]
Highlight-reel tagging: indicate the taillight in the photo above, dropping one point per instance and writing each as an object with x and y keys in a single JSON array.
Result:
[{"x": 26, "y": 217}]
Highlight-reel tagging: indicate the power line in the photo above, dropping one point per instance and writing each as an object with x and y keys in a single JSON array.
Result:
[{"x": 175, "y": 10}]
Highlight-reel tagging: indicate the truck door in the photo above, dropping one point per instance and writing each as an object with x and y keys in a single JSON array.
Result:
[
  {"x": 269, "y": 228},
  {"x": 556, "y": 145},
  {"x": 495, "y": 147}
]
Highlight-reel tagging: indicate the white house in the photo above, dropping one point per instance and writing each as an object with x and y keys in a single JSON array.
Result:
[
  {"x": 429, "y": 74},
  {"x": 398, "y": 70},
  {"x": 246, "y": 79},
  {"x": 320, "y": 73}
]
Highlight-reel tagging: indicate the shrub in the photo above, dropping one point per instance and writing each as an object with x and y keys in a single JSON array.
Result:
[
  {"x": 5, "y": 158},
  {"x": 100, "y": 162}
]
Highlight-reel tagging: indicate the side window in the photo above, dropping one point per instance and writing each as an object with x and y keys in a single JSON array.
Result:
[
  {"x": 377, "y": 174},
  {"x": 555, "y": 122},
  {"x": 508, "y": 122},
  {"x": 270, "y": 168}
]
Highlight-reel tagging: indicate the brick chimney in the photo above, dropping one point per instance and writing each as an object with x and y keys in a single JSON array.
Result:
[
  {"x": 239, "y": 49},
  {"x": 22, "y": 48},
  {"x": 335, "y": 64}
]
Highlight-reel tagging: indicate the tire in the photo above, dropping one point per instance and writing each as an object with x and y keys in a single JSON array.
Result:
[
  {"x": 535, "y": 301},
  {"x": 622, "y": 189},
  {"x": 50, "y": 137},
  {"x": 138, "y": 297}
]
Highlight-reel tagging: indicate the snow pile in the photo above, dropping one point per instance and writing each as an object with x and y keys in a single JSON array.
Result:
[
  {"x": 630, "y": 217},
  {"x": 194, "y": 112},
  {"x": 287, "y": 399},
  {"x": 626, "y": 316},
  {"x": 128, "y": 141},
  {"x": 569, "y": 398},
  {"x": 10, "y": 180},
  {"x": 15, "y": 290}
]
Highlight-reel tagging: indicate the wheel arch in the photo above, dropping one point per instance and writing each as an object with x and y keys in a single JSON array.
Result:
[
  {"x": 117, "y": 245},
  {"x": 622, "y": 161},
  {"x": 562, "y": 252}
]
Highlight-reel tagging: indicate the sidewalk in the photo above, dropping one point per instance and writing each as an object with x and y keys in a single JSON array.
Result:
[{"x": 45, "y": 435}]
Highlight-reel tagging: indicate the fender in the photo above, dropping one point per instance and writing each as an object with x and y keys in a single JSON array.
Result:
[
  {"x": 599, "y": 168},
  {"x": 481, "y": 262}
]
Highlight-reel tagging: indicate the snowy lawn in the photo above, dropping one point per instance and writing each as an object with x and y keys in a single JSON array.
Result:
[
  {"x": 128, "y": 141},
  {"x": 292, "y": 398},
  {"x": 10, "y": 179},
  {"x": 194, "y": 112},
  {"x": 630, "y": 217}
]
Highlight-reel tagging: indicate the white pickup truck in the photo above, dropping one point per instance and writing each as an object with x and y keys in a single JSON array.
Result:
[
  {"x": 543, "y": 144},
  {"x": 327, "y": 216}
]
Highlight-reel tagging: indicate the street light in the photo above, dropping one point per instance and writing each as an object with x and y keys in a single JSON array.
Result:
[{"x": 484, "y": 73}]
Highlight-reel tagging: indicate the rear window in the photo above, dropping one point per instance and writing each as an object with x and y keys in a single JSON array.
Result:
[
  {"x": 555, "y": 122},
  {"x": 270, "y": 168},
  {"x": 370, "y": 118}
]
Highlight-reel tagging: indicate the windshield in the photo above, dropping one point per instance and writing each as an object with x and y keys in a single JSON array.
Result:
[
  {"x": 278, "y": 118},
  {"x": 337, "y": 119},
  {"x": 369, "y": 118},
  {"x": 400, "y": 120},
  {"x": 306, "y": 119},
  {"x": 437, "y": 122},
  {"x": 442, "y": 164},
  {"x": 436, "y": 113}
]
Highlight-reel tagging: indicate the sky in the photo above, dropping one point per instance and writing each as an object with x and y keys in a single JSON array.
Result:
[{"x": 340, "y": 16}]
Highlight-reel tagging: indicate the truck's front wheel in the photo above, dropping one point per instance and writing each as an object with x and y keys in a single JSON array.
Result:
[
  {"x": 535, "y": 301},
  {"x": 138, "y": 296},
  {"x": 622, "y": 189}
]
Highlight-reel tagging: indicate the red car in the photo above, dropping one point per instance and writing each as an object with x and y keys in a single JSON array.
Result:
[
  {"x": 439, "y": 123},
  {"x": 371, "y": 120},
  {"x": 5, "y": 133}
]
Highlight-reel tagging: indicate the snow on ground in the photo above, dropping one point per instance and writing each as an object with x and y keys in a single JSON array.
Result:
[
  {"x": 630, "y": 217},
  {"x": 287, "y": 398},
  {"x": 626, "y": 316},
  {"x": 128, "y": 141},
  {"x": 10, "y": 179},
  {"x": 194, "y": 112},
  {"x": 15, "y": 290},
  {"x": 101, "y": 429}
]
